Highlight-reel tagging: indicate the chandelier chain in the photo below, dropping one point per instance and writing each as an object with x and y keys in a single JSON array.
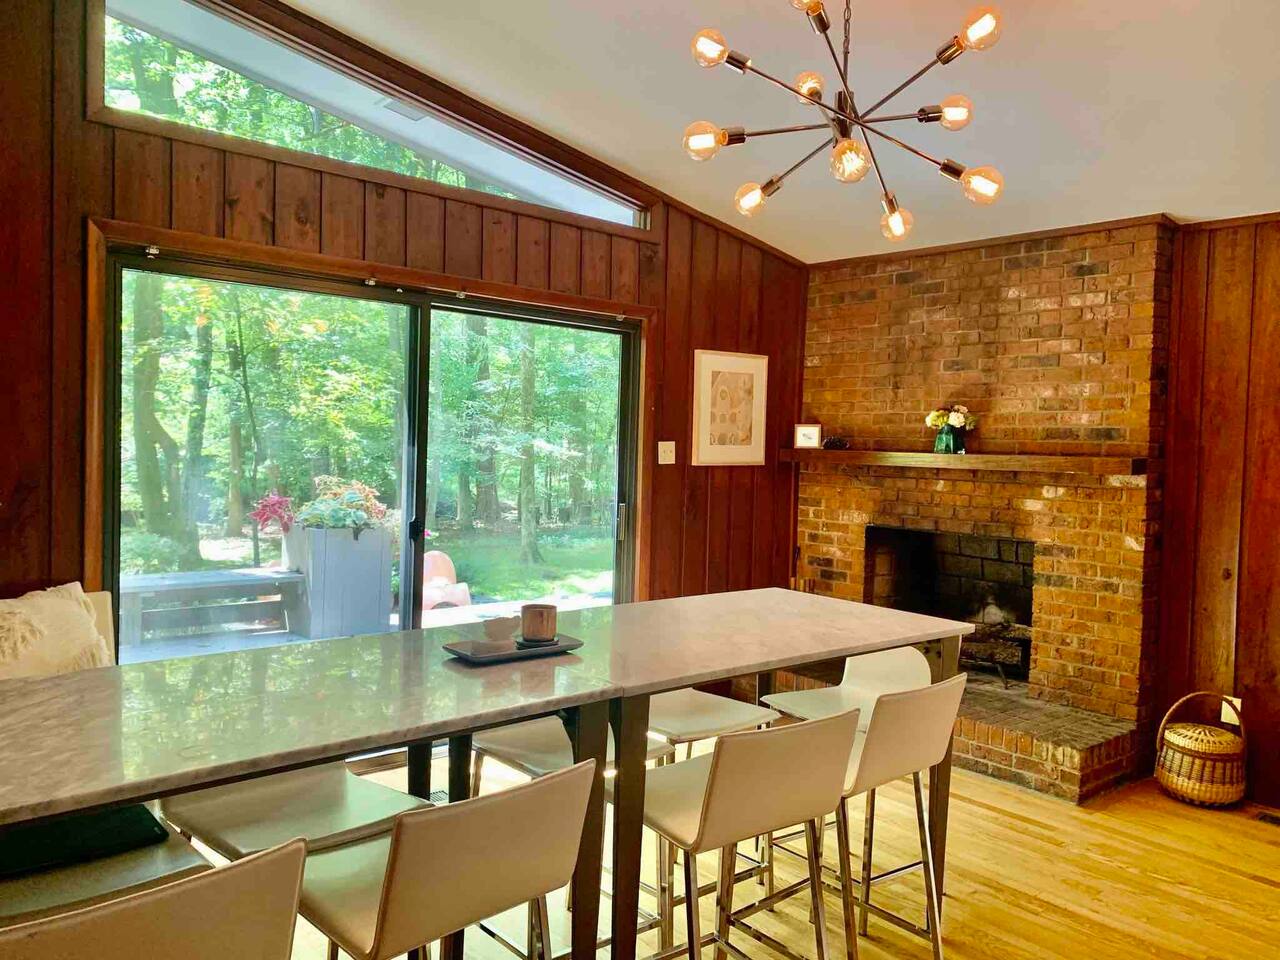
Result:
[{"x": 848, "y": 17}]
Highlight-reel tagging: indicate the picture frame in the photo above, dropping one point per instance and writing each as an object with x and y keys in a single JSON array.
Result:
[
  {"x": 730, "y": 394},
  {"x": 808, "y": 436}
]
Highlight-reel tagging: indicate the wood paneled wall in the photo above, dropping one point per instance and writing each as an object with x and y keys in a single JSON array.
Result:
[
  {"x": 706, "y": 528},
  {"x": 1220, "y": 625}
]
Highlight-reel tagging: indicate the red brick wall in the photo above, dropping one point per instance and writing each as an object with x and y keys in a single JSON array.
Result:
[
  {"x": 1055, "y": 343},
  {"x": 1059, "y": 346}
]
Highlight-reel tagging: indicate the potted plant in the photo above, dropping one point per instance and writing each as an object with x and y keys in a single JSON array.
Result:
[
  {"x": 340, "y": 542},
  {"x": 952, "y": 423}
]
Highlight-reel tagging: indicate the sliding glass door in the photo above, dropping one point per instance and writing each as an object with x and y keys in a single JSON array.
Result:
[
  {"x": 297, "y": 460},
  {"x": 261, "y": 469},
  {"x": 528, "y": 462}
]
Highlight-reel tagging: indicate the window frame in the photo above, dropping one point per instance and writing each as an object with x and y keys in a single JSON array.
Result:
[
  {"x": 391, "y": 78},
  {"x": 110, "y": 257}
]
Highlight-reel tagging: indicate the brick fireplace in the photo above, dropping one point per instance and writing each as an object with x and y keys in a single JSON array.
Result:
[{"x": 1058, "y": 344}]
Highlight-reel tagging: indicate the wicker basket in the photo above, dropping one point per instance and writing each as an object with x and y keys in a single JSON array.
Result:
[{"x": 1199, "y": 762}]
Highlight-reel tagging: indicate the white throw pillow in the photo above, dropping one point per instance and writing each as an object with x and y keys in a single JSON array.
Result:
[{"x": 50, "y": 631}]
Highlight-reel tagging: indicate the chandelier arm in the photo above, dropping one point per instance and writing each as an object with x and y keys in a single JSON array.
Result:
[
  {"x": 853, "y": 107},
  {"x": 865, "y": 125},
  {"x": 803, "y": 160},
  {"x": 796, "y": 129},
  {"x": 902, "y": 86},
  {"x": 891, "y": 118}
]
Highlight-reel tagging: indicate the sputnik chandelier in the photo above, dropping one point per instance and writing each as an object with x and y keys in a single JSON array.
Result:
[{"x": 851, "y": 159}]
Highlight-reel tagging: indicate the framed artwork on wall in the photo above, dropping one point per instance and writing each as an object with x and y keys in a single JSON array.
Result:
[
  {"x": 729, "y": 394},
  {"x": 808, "y": 436}
]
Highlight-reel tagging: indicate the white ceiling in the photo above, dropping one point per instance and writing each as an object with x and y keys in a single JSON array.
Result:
[{"x": 1093, "y": 109}]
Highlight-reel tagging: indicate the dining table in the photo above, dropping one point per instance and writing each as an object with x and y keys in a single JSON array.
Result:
[{"x": 117, "y": 735}]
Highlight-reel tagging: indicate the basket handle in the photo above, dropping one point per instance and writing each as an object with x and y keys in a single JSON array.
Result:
[{"x": 1209, "y": 694}]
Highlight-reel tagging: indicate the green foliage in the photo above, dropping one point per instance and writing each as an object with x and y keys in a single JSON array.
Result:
[
  {"x": 344, "y": 511},
  {"x": 147, "y": 74},
  {"x": 142, "y": 552}
]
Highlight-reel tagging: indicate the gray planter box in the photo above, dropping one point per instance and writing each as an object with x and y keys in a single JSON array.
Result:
[{"x": 348, "y": 580}]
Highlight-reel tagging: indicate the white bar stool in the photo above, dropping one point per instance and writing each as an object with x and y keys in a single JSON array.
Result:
[
  {"x": 247, "y": 910},
  {"x": 866, "y": 677},
  {"x": 752, "y": 783},
  {"x": 444, "y": 868},
  {"x": 536, "y": 748},
  {"x": 326, "y": 805},
  {"x": 909, "y": 732},
  {"x": 33, "y": 896}
]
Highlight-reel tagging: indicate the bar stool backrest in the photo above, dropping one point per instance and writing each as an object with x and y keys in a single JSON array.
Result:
[
  {"x": 103, "y": 618},
  {"x": 887, "y": 671},
  {"x": 909, "y": 732},
  {"x": 453, "y": 865},
  {"x": 763, "y": 780},
  {"x": 245, "y": 910}
]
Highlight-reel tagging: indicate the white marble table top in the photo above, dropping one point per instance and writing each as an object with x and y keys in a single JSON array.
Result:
[
  {"x": 661, "y": 645},
  {"x": 142, "y": 730},
  {"x": 132, "y": 732}
]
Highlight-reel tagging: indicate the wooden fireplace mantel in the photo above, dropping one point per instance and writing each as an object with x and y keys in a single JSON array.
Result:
[{"x": 1008, "y": 462}]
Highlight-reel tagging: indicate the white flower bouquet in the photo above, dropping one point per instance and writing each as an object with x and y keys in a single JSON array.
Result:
[{"x": 952, "y": 423}]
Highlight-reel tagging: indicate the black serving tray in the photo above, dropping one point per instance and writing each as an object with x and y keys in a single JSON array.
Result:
[{"x": 502, "y": 651}]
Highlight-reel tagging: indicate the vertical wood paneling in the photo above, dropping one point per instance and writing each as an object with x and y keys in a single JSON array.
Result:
[
  {"x": 297, "y": 215},
  {"x": 424, "y": 229},
  {"x": 1224, "y": 386},
  {"x": 498, "y": 255},
  {"x": 624, "y": 269},
  {"x": 341, "y": 216},
  {"x": 1258, "y": 624},
  {"x": 596, "y": 255},
  {"x": 197, "y": 189},
  {"x": 384, "y": 216},
  {"x": 82, "y": 186},
  {"x": 463, "y": 239},
  {"x": 250, "y": 199},
  {"x": 673, "y": 410},
  {"x": 532, "y": 253},
  {"x": 565, "y": 258},
  {"x": 142, "y": 178},
  {"x": 1182, "y": 447},
  {"x": 722, "y": 479},
  {"x": 26, "y": 195},
  {"x": 702, "y": 310},
  {"x": 742, "y": 525}
]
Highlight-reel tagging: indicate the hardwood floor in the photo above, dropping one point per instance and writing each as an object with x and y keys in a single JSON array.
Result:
[{"x": 1131, "y": 874}]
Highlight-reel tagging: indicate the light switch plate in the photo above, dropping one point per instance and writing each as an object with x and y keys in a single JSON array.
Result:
[
  {"x": 1227, "y": 715},
  {"x": 666, "y": 452}
]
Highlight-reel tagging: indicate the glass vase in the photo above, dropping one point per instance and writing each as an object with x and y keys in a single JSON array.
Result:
[{"x": 950, "y": 440}]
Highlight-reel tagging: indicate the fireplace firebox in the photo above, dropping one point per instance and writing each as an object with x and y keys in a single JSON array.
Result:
[{"x": 986, "y": 581}]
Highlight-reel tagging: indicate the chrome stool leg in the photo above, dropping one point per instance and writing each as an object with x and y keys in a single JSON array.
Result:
[
  {"x": 868, "y": 841},
  {"x": 813, "y": 843},
  {"x": 724, "y": 899},
  {"x": 930, "y": 879},
  {"x": 693, "y": 925},
  {"x": 847, "y": 898}
]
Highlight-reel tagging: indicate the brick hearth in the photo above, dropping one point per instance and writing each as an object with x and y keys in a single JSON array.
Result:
[{"x": 1058, "y": 345}]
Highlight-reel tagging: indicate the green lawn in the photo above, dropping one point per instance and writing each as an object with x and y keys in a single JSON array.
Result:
[{"x": 490, "y": 563}]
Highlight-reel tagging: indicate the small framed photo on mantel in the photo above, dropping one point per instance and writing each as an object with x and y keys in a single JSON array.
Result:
[{"x": 808, "y": 436}]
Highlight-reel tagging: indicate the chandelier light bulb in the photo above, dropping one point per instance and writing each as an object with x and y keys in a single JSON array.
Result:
[
  {"x": 895, "y": 226},
  {"x": 703, "y": 139},
  {"x": 801, "y": 4},
  {"x": 810, "y": 84},
  {"x": 850, "y": 161},
  {"x": 709, "y": 48},
  {"x": 957, "y": 111},
  {"x": 982, "y": 185},
  {"x": 981, "y": 28},
  {"x": 749, "y": 199}
]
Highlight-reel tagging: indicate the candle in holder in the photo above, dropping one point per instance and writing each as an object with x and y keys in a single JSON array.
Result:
[{"x": 538, "y": 622}]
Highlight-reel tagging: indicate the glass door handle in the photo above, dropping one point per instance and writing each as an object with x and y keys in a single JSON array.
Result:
[{"x": 622, "y": 522}]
